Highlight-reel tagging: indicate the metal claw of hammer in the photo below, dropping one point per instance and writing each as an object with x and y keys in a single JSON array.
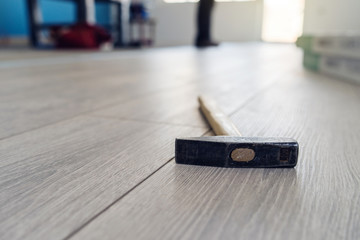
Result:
[{"x": 229, "y": 149}]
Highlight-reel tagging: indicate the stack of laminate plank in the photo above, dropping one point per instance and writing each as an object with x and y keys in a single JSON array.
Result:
[{"x": 336, "y": 55}]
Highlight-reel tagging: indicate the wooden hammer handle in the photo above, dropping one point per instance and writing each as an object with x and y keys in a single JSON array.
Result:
[{"x": 217, "y": 119}]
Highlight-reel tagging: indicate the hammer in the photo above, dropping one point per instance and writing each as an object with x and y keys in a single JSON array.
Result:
[{"x": 230, "y": 150}]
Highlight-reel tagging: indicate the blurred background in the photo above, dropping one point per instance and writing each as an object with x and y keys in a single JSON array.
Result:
[
  {"x": 172, "y": 21},
  {"x": 327, "y": 30}
]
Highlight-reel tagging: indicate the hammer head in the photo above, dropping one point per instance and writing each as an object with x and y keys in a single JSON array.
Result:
[{"x": 237, "y": 152}]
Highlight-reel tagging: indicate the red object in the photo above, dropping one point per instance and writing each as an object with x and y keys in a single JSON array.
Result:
[{"x": 80, "y": 36}]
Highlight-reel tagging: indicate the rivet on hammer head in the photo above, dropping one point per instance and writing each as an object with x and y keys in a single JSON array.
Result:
[{"x": 242, "y": 155}]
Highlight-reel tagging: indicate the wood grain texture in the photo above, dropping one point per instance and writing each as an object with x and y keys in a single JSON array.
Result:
[
  {"x": 217, "y": 119},
  {"x": 46, "y": 87},
  {"x": 50, "y": 87},
  {"x": 225, "y": 75},
  {"x": 55, "y": 179},
  {"x": 36, "y": 98},
  {"x": 96, "y": 176},
  {"x": 319, "y": 199}
]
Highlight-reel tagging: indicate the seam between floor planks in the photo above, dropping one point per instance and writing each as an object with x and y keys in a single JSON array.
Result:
[
  {"x": 254, "y": 96},
  {"x": 121, "y": 197},
  {"x": 149, "y": 93},
  {"x": 84, "y": 113},
  {"x": 162, "y": 166},
  {"x": 141, "y": 180},
  {"x": 150, "y": 175},
  {"x": 78, "y": 115},
  {"x": 88, "y": 112},
  {"x": 184, "y": 125},
  {"x": 334, "y": 83},
  {"x": 167, "y": 162},
  {"x": 142, "y": 120},
  {"x": 117, "y": 200},
  {"x": 92, "y": 111}
]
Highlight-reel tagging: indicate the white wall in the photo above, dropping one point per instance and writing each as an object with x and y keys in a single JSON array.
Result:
[
  {"x": 331, "y": 16},
  {"x": 232, "y": 21}
]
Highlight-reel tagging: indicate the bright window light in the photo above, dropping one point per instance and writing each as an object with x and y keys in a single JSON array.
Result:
[
  {"x": 282, "y": 20},
  {"x": 192, "y": 1}
]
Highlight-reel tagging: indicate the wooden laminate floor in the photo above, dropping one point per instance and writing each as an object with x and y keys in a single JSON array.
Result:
[{"x": 87, "y": 146}]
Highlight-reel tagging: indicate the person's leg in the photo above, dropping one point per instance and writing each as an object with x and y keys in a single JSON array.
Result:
[{"x": 204, "y": 21}]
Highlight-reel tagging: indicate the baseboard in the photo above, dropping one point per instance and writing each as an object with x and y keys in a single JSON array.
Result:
[{"x": 14, "y": 41}]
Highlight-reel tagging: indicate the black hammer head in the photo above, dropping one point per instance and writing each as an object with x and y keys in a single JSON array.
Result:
[{"x": 237, "y": 152}]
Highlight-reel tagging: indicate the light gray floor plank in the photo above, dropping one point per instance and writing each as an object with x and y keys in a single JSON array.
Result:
[
  {"x": 36, "y": 100},
  {"x": 35, "y": 95},
  {"x": 319, "y": 199},
  {"x": 55, "y": 179},
  {"x": 62, "y": 178},
  {"x": 180, "y": 106},
  {"x": 38, "y": 108},
  {"x": 58, "y": 86}
]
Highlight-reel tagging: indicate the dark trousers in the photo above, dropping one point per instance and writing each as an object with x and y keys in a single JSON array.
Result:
[{"x": 204, "y": 20}]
